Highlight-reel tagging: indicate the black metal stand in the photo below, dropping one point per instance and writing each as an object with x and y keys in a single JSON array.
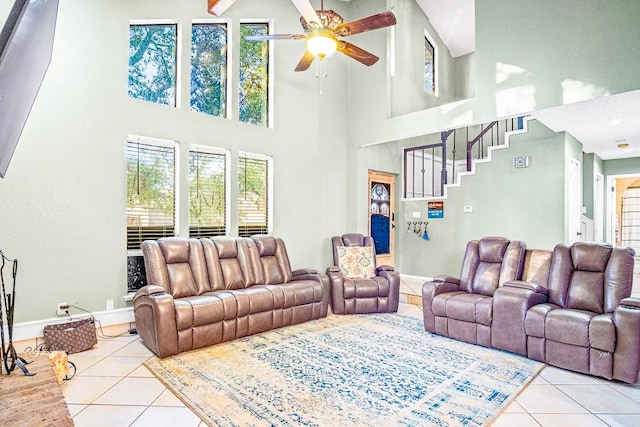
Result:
[{"x": 7, "y": 309}]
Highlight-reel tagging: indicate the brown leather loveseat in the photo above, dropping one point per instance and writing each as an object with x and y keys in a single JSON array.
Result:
[
  {"x": 205, "y": 291},
  {"x": 570, "y": 307},
  {"x": 582, "y": 319}
]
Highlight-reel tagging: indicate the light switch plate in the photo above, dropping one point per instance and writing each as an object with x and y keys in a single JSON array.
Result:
[{"x": 416, "y": 214}]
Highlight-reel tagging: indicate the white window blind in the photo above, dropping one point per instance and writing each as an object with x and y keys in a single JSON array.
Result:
[
  {"x": 151, "y": 191},
  {"x": 253, "y": 195},
  {"x": 207, "y": 193}
]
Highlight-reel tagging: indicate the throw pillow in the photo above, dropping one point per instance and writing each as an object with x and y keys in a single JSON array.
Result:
[{"x": 356, "y": 262}]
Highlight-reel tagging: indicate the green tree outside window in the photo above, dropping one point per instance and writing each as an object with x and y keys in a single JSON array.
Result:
[
  {"x": 152, "y": 63},
  {"x": 254, "y": 75},
  {"x": 209, "y": 69}
]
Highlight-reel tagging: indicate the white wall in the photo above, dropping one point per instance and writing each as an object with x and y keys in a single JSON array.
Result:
[{"x": 63, "y": 200}]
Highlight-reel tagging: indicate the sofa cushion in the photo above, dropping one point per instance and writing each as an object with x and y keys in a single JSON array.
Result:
[
  {"x": 181, "y": 280},
  {"x": 602, "y": 332},
  {"x": 568, "y": 326},
  {"x": 473, "y": 308},
  {"x": 366, "y": 288},
  {"x": 534, "y": 323},
  {"x": 356, "y": 261},
  {"x": 586, "y": 291},
  {"x": 198, "y": 310}
]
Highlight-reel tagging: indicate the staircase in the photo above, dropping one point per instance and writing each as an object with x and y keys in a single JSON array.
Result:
[{"x": 430, "y": 169}]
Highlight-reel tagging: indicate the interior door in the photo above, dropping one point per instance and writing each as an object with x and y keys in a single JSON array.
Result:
[{"x": 382, "y": 215}]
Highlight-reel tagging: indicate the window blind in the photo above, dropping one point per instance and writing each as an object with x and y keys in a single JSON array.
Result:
[
  {"x": 207, "y": 194},
  {"x": 253, "y": 196},
  {"x": 150, "y": 192}
]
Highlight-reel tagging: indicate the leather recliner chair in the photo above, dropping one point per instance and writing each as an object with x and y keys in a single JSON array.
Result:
[
  {"x": 462, "y": 308},
  {"x": 376, "y": 291}
]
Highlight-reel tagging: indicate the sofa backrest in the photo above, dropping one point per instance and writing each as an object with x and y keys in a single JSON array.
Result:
[
  {"x": 228, "y": 263},
  {"x": 489, "y": 262},
  {"x": 273, "y": 265},
  {"x": 177, "y": 264},
  {"x": 590, "y": 276},
  {"x": 189, "y": 267},
  {"x": 537, "y": 263}
]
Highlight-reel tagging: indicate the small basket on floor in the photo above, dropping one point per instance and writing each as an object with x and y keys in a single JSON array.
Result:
[{"x": 71, "y": 337}]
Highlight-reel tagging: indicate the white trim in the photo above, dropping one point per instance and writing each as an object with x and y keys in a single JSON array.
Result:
[
  {"x": 436, "y": 72},
  {"x": 34, "y": 329}
]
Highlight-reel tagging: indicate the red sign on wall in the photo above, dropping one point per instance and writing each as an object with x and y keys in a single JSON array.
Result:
[{"x": 435, "y": 209}]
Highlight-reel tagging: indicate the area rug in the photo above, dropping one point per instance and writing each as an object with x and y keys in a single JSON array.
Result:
[{"x": 356, "y": 370}]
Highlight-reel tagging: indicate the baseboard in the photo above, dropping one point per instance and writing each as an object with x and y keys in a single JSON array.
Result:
[{"x": 34, "y": 329}]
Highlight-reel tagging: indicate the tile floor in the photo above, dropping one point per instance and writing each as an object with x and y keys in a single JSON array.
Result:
[{"x": 112, "y": 388}]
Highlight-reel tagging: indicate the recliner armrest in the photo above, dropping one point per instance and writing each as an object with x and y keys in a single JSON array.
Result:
[
  {"x": 630, "y": 302},
  {"x": 148, "y": 290},
  {"x": 385, "y": 268},
  {"x": 301, "y": 271},
  {"x": 445, "y": 278},
  {"x": 333, "y": 269},
  {"x": 529, "y": 286}
]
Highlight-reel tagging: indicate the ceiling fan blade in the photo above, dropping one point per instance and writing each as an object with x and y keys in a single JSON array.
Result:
[
  {"x": 276, "y": 37},
  {"x": 216, "y": 7},
  {"x": 373, "y": 22},
  {"x": 357, "y": 53},
  {"x": 306, "y": 10},
  {"x": 305, "y": 61}
]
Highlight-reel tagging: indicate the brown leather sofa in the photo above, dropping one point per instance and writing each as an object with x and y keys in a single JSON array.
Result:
[
  {"x": 570, "y": 308},
  {"x": 377, "y": 291},
  {"x": 206, "y": 291},
  {"x": 462, "y": 308}
]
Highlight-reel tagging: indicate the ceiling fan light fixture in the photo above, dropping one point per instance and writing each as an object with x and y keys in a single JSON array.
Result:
[{"x": 321, "y": 45}]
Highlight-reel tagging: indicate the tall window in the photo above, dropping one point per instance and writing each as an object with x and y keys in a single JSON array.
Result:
[
  {"x": 429, "y": 67},
  {"x": 151, "y": 190},
  {"x": 152, "y": 63},
  {"x": 207, "y": 192},
  {"x": 209, "y": 69},
  {"x": 254, "y": 75},
  {"x": 254, "y": 184}
]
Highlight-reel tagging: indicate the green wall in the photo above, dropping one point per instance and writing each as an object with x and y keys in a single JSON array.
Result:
[{"x": 518, "y": 203}]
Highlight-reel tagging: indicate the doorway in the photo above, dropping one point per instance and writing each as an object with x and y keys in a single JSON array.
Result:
[{"x": 382, "y": 215}]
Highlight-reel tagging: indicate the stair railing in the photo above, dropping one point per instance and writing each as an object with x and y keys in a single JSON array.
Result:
[{"x": 421, "y": 163}]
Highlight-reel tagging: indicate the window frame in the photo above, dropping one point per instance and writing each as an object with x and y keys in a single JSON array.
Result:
[
  {"x": 269, "y": 162},
  {"x": 227, "y": 183},
  {"x": 178, "y": 65},
  {"x": 430, "y": 40},
  {"x": 229, "y": 105},
  {"x": 270, "y": 69},
  {"x": 164, "y": 143}
]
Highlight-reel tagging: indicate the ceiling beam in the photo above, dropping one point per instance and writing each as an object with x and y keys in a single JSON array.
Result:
[{"x": 217, "y": 7}]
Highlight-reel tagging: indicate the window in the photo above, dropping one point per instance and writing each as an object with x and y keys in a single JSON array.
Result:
[
  {"x": 254, "y": 187},
  {"x": 254, "y": 75},
  {"x": 152, "y": 63},
  {"x": 429, "y": 67},
  {"x": 209, "y": 69},
  {"x": 151, "y": 190},
  {"x": 207, "y": 192}
]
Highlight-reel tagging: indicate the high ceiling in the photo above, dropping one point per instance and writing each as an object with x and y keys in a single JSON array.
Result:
[{"x": 601, "y": 124}]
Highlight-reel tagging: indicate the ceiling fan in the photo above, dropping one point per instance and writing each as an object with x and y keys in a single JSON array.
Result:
[{"x": 322, "y": 31}]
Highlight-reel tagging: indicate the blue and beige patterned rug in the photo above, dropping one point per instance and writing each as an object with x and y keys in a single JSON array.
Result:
[{"x": 355, "y": 370}]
